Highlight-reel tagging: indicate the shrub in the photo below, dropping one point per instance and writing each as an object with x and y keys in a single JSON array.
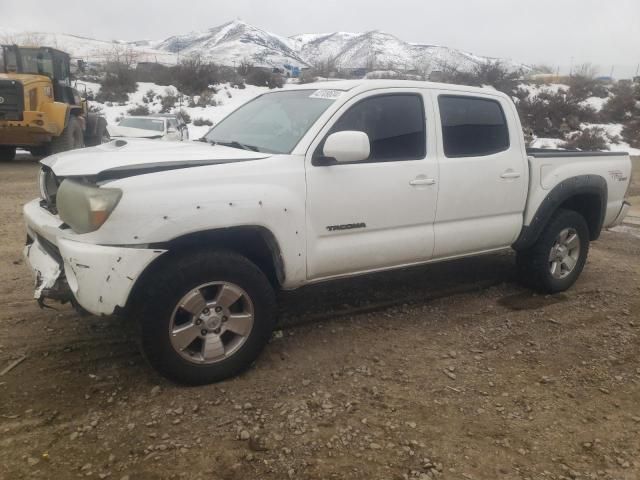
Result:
[
  {"x": 582, "y": 87},
  {"x": 307, "y": 76},
  {"x": 261, "y": 77},
  {"x": 199, "y": 122},
  {"x": 631, "y": 133},
  {"x": 592, "y": 138},
  {"x": 118, "y": 82},
  {"x": 194, "y": 75},
  {"x": 138, "y": 110},
  {"x": 245, "y": 67},
  {"x": 149, "y": 95},
  {"x": 276, "y": 80},
  {"x": 168, "y": 101},
  {"x": 622, "y": 105},
  {"x": 205, "y": 99},
  {"x": 552, "y": 114},
  {"x": 258, "y": 77},
  {"x": 494, "y": 74}
]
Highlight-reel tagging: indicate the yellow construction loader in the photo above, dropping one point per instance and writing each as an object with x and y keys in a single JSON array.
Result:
[{"x": 39, "y": 109}]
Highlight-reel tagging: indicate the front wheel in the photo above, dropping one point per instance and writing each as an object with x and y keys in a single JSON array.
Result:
[
  {"x": 555, "y": 261},
  {"x": 206, "y": 317},
  {"x": 7, "y": 154}
]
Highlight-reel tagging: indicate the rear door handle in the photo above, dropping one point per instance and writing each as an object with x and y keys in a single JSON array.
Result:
[
  {"x": 510, "y": 174},
  {"x": 422, "y": 180}
]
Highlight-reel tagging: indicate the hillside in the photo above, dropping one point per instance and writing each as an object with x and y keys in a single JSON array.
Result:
[
  {"x": 377, "y": 49},
  {"x": 89, "y": 49},
  {"x": 237, "y": 41}
]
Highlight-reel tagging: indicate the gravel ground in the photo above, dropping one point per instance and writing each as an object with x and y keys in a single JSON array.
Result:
[{"x": 450, "y": 371}]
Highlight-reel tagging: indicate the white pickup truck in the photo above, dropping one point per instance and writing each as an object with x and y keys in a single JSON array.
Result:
[{"x": 300, "y": 186}]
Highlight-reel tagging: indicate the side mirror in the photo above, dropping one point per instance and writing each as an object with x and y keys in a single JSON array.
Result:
[{"x": 347, "y": 146}]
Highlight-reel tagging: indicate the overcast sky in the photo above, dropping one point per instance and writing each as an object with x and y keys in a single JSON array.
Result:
[{"x": 603, "y": 32}]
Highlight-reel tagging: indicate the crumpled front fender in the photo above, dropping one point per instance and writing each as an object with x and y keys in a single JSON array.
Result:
[{"x": 101, "y": 277}]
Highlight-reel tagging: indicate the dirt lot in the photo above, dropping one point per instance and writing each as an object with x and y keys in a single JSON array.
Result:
[{"x": 451, "y": 371}]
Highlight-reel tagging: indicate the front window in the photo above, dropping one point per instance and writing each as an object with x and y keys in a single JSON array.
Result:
[
  {"x": 156, "y": 125},
  {"x": 274, "y": 122},
  {"x": 36, "y": 61},
  {"x": 395, "y": 125}
]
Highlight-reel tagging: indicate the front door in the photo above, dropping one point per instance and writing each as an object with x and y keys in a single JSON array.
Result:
[{"x": 377, "y": 213}]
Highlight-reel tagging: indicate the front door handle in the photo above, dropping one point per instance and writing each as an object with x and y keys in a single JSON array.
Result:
[
  {"x": 422, "y": 180},
  {"x": 510, "y": 174}
]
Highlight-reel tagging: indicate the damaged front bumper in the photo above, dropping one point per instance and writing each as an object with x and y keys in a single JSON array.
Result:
[{"x": 98, "y": 277}]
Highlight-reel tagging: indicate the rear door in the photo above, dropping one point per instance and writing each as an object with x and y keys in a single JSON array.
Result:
[
  {"x": 483, "y": 173},
  {"x": 376, "y": 213}
]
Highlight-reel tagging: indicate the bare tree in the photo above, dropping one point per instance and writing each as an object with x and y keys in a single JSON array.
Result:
[
  {"x": 423, "y": 68},
  {"x": 27, "y": 39},
  {"x": 122, "y": 54},
  {"x": 245, "y": 67},
  {"x": 586, "y": 70}
]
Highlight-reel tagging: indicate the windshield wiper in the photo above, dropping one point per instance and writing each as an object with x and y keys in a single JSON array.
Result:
[{"x": 235, "y": 144}]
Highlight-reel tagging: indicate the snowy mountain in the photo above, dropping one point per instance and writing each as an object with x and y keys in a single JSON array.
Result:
[
  {"x": 89, "y": 49},
  {"x": 236, "y": 41},
  {"x": 381, "y": 50}
]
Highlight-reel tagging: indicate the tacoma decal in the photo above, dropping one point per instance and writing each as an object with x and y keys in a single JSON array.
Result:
[{"x": 346, "y": 226}]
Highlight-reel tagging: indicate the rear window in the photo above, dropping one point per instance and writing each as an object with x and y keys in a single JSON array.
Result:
[
  {"x": 143, "y": 123},
  {"x": 472, "y": 126}
]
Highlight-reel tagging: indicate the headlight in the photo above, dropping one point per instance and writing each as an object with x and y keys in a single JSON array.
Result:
[
  {"x": 48, "y": 184},
  {"x": 85, "y": 207}
]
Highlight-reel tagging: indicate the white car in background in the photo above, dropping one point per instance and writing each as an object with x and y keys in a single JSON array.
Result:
[{"x": 164, "y": 127}]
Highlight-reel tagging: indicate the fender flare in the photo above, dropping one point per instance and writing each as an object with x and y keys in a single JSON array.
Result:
[{"x": 563, "y": 191}]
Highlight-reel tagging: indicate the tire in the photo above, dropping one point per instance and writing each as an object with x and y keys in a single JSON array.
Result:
[
  {"x": 553, "y": 264},
  {"x": 7, "y": 154},
  {"x": 70, "y": 138},
  {"x": 42, "y": 151},
  {"x": 101, "y": 136},
  {"x": 167, "y": 304}
]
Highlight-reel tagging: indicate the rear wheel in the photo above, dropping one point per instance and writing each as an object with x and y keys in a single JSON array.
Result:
[
  {"x": 7, "y": 153},
  {"x": 206, "y": 317},
  {"x": 70, "y": 138},
  {"x": 555, "y": 261}
]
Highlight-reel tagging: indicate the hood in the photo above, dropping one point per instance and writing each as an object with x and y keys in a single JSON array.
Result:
[
  {"x": 131, "y": 132},
  {"x": 25, "y": 78},
  {"x": 136, "y": 156}
]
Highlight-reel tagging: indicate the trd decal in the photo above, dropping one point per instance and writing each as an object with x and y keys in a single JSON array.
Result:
[
  {"x": 617, "y": 175},
  {"x": 346, "y": 226}
]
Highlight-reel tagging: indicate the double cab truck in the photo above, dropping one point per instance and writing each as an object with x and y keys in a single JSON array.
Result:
[{"x": 305, "y": 185}]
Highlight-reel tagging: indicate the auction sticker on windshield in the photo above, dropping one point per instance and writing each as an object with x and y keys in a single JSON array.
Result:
[{"x": 326, "y": 94}]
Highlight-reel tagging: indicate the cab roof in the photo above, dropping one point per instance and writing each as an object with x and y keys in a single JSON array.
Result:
[{"x": 363, "y": 85}]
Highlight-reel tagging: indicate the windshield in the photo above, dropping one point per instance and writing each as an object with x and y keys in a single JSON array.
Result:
[
  {"x": 274, "y": 122},
  {"x": 156, "y": 125},
  {"x": 36, "y": 61}
]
